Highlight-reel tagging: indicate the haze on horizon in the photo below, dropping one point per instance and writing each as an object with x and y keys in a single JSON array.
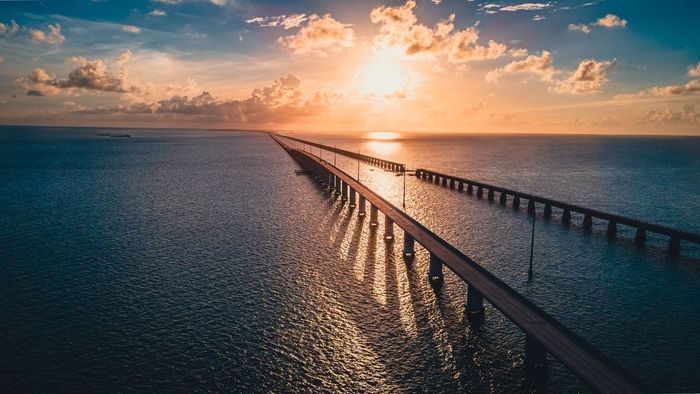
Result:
[{"x": 584, "y": 66}]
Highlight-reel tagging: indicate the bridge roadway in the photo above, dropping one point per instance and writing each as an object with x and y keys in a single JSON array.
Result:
[
  {"x": 613, "y": 220},
  {"x": 541, "y": 329},
  {"x": 386, "y": 164}
]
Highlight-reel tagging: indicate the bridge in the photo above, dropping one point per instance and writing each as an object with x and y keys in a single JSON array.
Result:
[
  {"x": 675, "y": 236},
  {"x": 451, "y": 181},
  {"x": 543, "y": 333},
  {"x": 386, "y": 164}
]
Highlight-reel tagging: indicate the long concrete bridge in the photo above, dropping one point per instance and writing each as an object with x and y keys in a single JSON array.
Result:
[
  {"x": 386, "y": 164},
  {"x": 543, "y": 333},
  {"x": 452, "y": 182}
]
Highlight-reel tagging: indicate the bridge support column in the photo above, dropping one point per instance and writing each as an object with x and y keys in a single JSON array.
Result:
[
  {"x": 480, "y": 191},
  {"x": 430, "y": 177},
  {"x": 470, "y": 188},
  {"x": 337, "y": 185},
  {"x": 503, "y": 200},
  {"x": 435, "y": 275},
  {"x": 408, "y": 247},
  {"x": 452, "y": 183},
  {"x": 531, "y": 206},
  {"x": 475, "y": 304},
  {"x": 674, "y": 245},
  {"x": 362, "y": 206},
  {"x": 388, "y": 229},
  {"x": 548, "y": 211},
  {"x": 437, "y": 179},
  {"x": 460, "y": 186},
  {"x": 344, "y": 196},
  {"x": 491, "y": 195},
  {"x": 444, "y": 181},
  {"x": 566, "y": 216},
  {"x": 587, "y": 221},
  {"x": 535, "y": 354},
  {"x": 418, "y": 174},
  {"x": 516, "y": 202},
  {"x": 373, "y": 213},
  {"x": 640, "y": 237},
  {"x": 352, "y": 198},
  {"x": 612, "y": 229}
]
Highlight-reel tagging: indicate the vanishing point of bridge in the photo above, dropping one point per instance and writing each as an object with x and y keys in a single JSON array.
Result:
[{"x": 543, "y": 333}]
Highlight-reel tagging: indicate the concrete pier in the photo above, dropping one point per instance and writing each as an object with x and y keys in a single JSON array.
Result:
[
  {"x": 388, "y": 229},
  {"x": 409, "y": 251},
  {"x": 612, "y": 229},
  {"x": 674, "y": 246},
  {"x": 491, "y": 195},
  {"x": 504, "y": 198},
  {"x": 640, "y": 237},
  {"x": 452, "y": 183},
  {"x": 516, "y": 202},
  {"x": 566, "y": 216},
  {"x": 587, "y": 221},
  {"x": 344, "y": 191},
  {"x": 531, "y": 206},
  {"x": 460, "y": 186},
  {"x": 548, "y": 210},
  {"x": 470, "y": 188},
  {"x": 535, "y": 354},
  {"x": 480, "y": 191},
  {"x": 362, "y": 206},
  {"x": 435, "y": 275},
  {"x": 373, "y": 216},
  {"x": 444, "y": 182},
  {"x": 475, "y": 304},
  {"x": 337, "y": 185},
  {"x": 352, "y": 198}
]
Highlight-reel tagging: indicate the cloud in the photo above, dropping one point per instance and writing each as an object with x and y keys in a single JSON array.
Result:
[
  {"x": 401, "y": 32},
  {"x": 665, "y": 91},
  {"x": 436, "y": 2},
  {"x": 608, "y": 21},
  {"x": 220, "y": 3},
  {"x": 123, "y": 58},
  {"x": 10, "y": 28},
  {"x": 285, "y": 21},
  {"x": 157, "y": 13},
  {"x": 275, "y": 103},
  {"x": 694, "y": 71},
  {"x": 131, "y": 29},
  {"x": 320, "y": 36},
  {"x": 542, "y": 66},
  {"x": 589, "y": 77},
  {"x": 89, "y": 75},
  {"x": 53, "y": 36},
  {"x": 538, "y": 18},
  {"x": 686, "y": 114},
  {"x": 526, "y": 7}
]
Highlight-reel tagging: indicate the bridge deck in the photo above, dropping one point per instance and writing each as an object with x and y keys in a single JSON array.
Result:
[
  {"x": 583, "y": 359},
  {"x": 656, "y": 228}
]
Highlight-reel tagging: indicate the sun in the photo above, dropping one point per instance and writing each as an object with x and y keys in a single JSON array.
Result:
[{"x": 384, "y": 77}]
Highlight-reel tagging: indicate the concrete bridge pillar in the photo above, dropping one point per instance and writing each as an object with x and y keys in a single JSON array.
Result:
[
  {"x": 612, "y": 229},
  {"x": 480, "y": 191},
  {"x": 548, "y": 210},
  {"x": 460, "y": 186},
  {"x": 674, "y": 245},
  {"x": 408, "y": 247},
  {"x": 437, "y": 179},
  {"x": 352, "y": 198},
  {"x": 418, "y": 174},
  {"x": 640, "y": 237},
  {"x": 535, "y": 354},
  {"x": 531, "y": 206},
  {"x": 491, "y": 195},
  {"x": 516, "y": 202},
  {"x": 388, "y": 229},
  {"x": 430, "y": 177},
  {"x": 337, "y": 185},
  {"x": 587, "y": 221},
  {"x": 373, "y": 213},
  {"x": 452, "y": 183},
  {"x": 503, "y": 200},
  {"x": 444, "y": 181},
  {"x": 435, "y": 275},
  {"x": 344, "y": 189},
  {"x": 475, "y": 304},
  {"x": 470, "y": 188},
  {"x": 566, "y": 216},
  {"x": 362, "y": 206}
]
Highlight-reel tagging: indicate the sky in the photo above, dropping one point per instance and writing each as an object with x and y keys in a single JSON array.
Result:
[{"x": 440, "y": 66}]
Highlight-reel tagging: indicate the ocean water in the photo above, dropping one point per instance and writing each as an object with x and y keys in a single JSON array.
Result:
[{"x": 188, "y": 260}]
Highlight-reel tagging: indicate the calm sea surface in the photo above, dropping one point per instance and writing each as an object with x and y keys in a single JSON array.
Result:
[{"x": 186, "y": 261}]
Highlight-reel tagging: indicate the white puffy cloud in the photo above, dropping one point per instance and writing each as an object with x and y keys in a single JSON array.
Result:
[
  {"x": 9, "y": 28},
  {"x": 88, "y": 75},
  {"x": 400, "y": 31},
  {"x": 687, "y": 114},
  {"x": 320, "y": 36},
  {"x": 664, "y": 91},
  {"x": 131, "y": 29},
  {"x": 608, "y": 21},
  {"x": 284, "y": 21},
  {"x": 157, "y": 13},
  {"x": 589, "y": 77},
  {"x": 53, "y": 36},
  {"x": 525, "y": 7},
  {"x": 275, "y": 103},
  {"x": 694, "y": 71}
]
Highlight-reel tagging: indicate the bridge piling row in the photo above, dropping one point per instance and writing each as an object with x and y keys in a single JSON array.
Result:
[{"x": 642, "y": 228}]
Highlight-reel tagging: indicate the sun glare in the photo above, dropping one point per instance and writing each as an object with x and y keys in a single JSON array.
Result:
[{"x": 386, "y": 78}]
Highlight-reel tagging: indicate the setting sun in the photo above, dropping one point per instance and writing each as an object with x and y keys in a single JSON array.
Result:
[{"x": 386, "y": 78}]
